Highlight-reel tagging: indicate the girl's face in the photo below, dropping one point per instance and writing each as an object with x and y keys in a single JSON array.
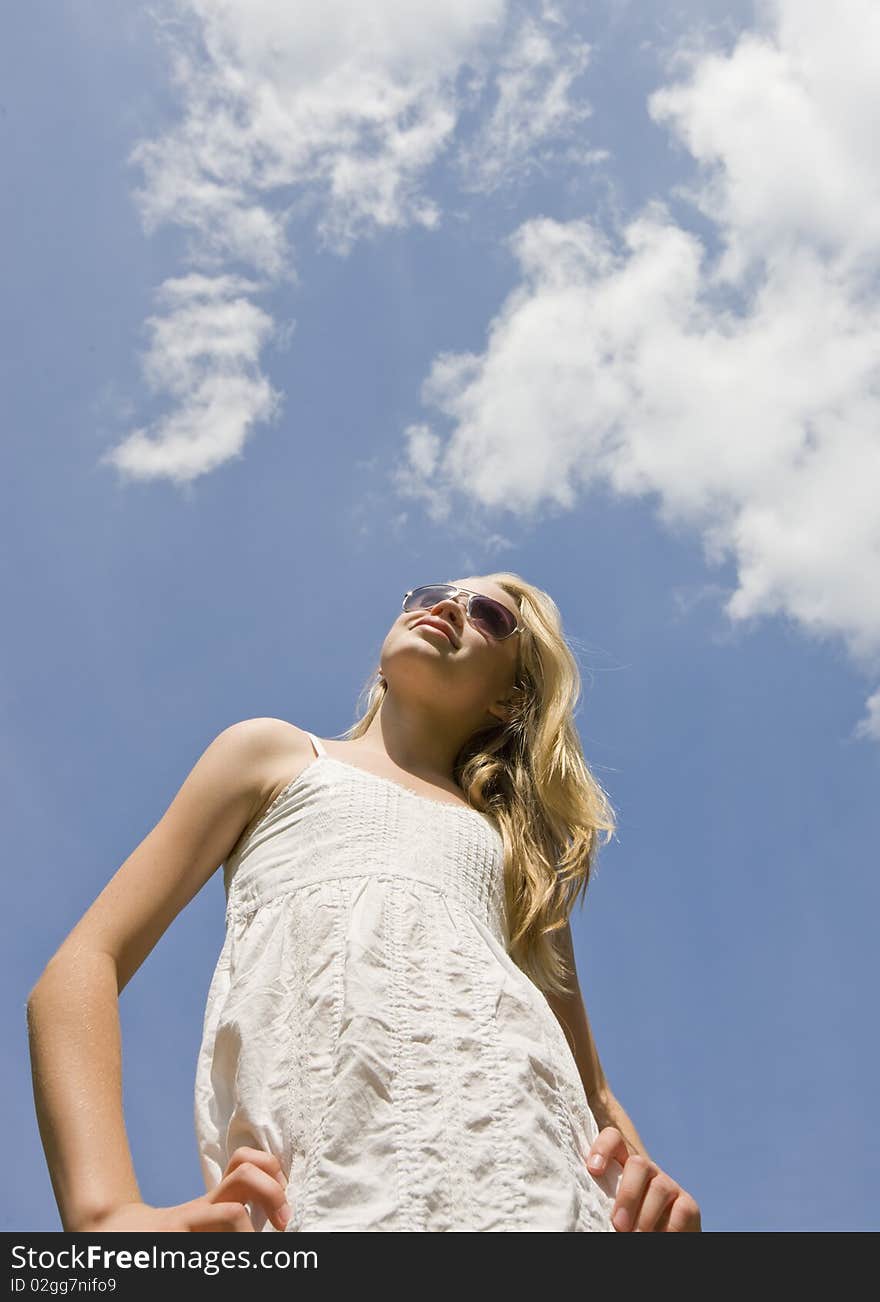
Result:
[{"x": 465, "y": 671}]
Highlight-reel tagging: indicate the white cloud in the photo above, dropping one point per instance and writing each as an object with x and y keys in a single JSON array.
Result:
[
  {"x": 786, "y": 131},
  {"x": 743, "y": 390},
  {"x": 328, "y": 109},
  {"x": 204, "y": 352}
]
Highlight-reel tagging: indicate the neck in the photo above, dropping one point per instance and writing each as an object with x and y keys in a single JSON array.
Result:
[{"x": 415, "y": 738}]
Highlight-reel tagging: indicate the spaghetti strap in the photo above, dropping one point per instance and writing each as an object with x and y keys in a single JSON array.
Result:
[{"x": 318, "y": 745}]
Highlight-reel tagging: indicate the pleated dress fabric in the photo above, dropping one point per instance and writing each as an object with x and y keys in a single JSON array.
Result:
[{"x": 367, "y": 1025}]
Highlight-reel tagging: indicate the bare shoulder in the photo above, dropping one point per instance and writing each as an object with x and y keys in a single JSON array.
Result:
[{"x": 277, "y": 753}]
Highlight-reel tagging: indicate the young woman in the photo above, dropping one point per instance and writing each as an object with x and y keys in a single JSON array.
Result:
[{"x": 394, "y": 1037}]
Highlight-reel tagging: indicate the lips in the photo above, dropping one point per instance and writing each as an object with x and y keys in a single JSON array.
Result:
[{"x": 439, "y": 625}]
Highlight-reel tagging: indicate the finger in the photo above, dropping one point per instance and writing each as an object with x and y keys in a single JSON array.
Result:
[
  {"x": 637, "y": 1175},
  {"x": 608, "y": 1143},
  {"x": 659, "y": 1197},
  {"x": 248, "y": 1184},
  {"x": 662, "y": 1224},
  {"x": 259, "y": 1157},
  {"x": 609, "y": 1180},
  {"x": 269, "y": 1163},
  {"x": 684, "y": 1216},
  {"x": 218, "y": 1218}
]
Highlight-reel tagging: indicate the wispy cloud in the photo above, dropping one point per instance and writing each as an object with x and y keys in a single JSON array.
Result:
[
  {"x": 739, "y": 384},
  {"x": 534, "y": 107},
  {"x": 329, "y": 115}
]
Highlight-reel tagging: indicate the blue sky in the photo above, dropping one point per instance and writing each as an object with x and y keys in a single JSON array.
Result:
[{"x": 301, "y": 311}]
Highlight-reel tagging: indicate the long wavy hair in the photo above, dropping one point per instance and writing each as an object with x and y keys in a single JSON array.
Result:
[{"x": 530, "y": 776}]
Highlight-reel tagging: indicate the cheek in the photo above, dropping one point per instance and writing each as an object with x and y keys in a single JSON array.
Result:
[{"x": 396, "y": 638}]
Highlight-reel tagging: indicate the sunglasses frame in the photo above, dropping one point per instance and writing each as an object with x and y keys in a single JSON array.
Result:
[{"x": 454, "y": 592}]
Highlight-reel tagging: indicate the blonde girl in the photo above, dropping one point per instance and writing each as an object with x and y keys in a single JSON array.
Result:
[{"x": 394, "y": 1037}]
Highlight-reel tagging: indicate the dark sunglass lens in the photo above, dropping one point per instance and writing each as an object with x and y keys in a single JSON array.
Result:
[{"x": 494, "y": 618}]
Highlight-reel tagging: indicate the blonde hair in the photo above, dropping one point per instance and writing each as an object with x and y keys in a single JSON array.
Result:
[{"x": 530, "y": 776}]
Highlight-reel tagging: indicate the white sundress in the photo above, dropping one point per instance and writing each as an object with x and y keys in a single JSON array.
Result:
[{"x": 366, "y": 1024}]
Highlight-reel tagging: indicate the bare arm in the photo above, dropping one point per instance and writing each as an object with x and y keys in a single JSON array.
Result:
[
  {"x": 572, "y": 1016},
  {"x": 73, "y": 1012}
]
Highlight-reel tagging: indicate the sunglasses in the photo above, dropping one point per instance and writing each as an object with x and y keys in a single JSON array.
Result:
[{"x": 485, "y": 614}]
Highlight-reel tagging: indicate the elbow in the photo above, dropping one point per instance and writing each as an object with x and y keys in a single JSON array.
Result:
[{"x": 51, "y": 980}]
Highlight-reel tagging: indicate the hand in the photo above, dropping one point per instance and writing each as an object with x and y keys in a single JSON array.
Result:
[
  {"x": 251, "y": 1175},
  {"x": 647, "y": 1198}
]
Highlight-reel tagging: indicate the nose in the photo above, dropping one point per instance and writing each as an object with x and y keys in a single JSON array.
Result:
[{"x": 450, "y": 608}]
